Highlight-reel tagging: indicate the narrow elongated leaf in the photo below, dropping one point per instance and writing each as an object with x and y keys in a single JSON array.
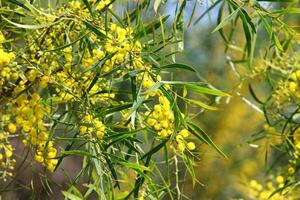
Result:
[
  {"x": 112, "y": 170},
  {"x": 70, "y": 196},
  {"x": 207, "y": 11},
  {"x": 87, "y": 4},
  {"x": 248, "y": 19},
  {"x": 97, "y": 74},
  {"x": 18, "y": 4},
  {"x": 227, "y": 19},
  {"x": 196, "y": 88},
  {"x": 266, "y": 25},
  {"x": 94, "y": 29},
  {"x": 135, "y": 166},
  {"x": 178, "y": 66},
  {"x": 200, "y": 134},
  {"x": 199, "y": 103},
  {"x": 155, "y": 149},
  {"x": 288, "y": 10},
  {"x": 25, "y": 26},
  {"x": 118, "y": 108},
  {"x": 136, "y": 105},
  {"x": 67, "y": 45},
  {"x": 247, "y": 33},
  {"x": 277, "y": 42}
]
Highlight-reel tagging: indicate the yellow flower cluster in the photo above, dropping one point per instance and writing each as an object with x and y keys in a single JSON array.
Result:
[
  {"x": 77, "y": 5},
  {"x": 30, "y": 114},
  {"x": 260, "y": 192},
  {"x": 182, "y": 144},
  {"x": 71, "y": 80},
  {"x": 90, "y": 59},
  {"x": 92, "y": 127},
  {"x": 57, "y": 70},
  {"x": 148, "y": 82},
  {"x": 282, "y": 94},
  {"x": 79, "y": 8},
  {"x": 285, "y": 72},
  {"x": 102, "y": 4},
  {"x": 68, "y": 87},
  {"x": 6, "y": 161},
  {"x": 120, "y": 44},
  {"x": 294, "y": 84},
  {"x": 162, "y": 117},
  {"x": 46, "y": 154},
  {"x": 6, "y": 63},
  {"x": 71, "y": 74}
]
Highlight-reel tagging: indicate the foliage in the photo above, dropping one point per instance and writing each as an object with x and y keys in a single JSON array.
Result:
[
  {"x": 77, "y": 79},
  {"x": 98, "y": 80}
]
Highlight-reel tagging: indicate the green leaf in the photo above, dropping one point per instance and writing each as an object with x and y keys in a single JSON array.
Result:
[
  {"x": 243, "y": 13},
  {"x": 289, "y": 10},
  {"x": 178, "y": 27},
  {"x": 207, "y": 11},
  {"x": 199, "y": 103},
  {"x": 112, "y": 170},
  {"x": 118, "y": 108},
  {"x": 281, "y": 190},
  {"x": 192, "y": 14},
  {"x": 36, "y": 11},
  {"x": 67, "y": 45},
  {"x": 200, "y": 134},
  {"x": 154, "y": 87},
  {"x": 219, "y": 19},
  {"x": 155, "y": 149},
  {"x": 247, "y": 33},
  {"x": 71, "y": 196},
  {"x": 135, "y": 166},
  {"x": 121, "y": 195},
  {"x": 196, "y": 88},
  {"x": 18, "y": 4},
  {"x": 227, "y": 19},
  {"x": 97, "y": 74},
  {"x": 125, "y": 133},
  {"x": 253, "y": 94},
  {"x": 178, "y": 66},
  {"x": 95, "y": 29},
  {"x": 87, "y": 4},
  {"x": 136, "y": 105},
  {"x": 277, "y": 42},
  {"x": 25, "y": 26},
  {"x": 122, "y": 136},
  {"x": 266, "y": 25}
]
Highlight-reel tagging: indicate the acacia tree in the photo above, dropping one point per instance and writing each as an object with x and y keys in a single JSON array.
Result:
[{"x": 97, "y": 80}]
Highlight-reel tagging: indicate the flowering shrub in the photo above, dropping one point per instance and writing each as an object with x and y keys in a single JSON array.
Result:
[
  {"x": 98, "y": 80},
  {"x": 79, "y": 80}
]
